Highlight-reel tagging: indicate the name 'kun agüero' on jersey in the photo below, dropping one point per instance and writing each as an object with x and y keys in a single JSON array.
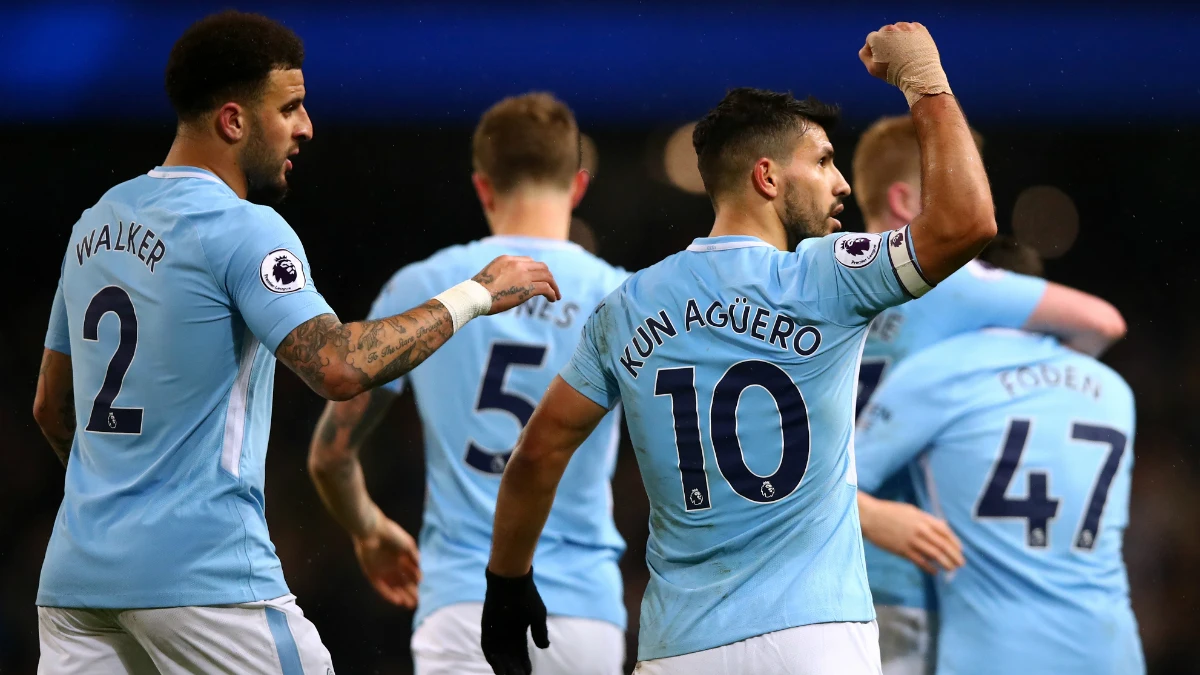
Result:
[{"x": 735, "y": 316}]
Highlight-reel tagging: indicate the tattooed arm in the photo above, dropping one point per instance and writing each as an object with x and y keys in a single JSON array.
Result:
[
  {"x": 54, "y": 404},
  {"x": 342, "y": 360}
]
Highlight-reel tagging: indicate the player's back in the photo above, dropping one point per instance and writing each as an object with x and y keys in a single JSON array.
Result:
[
  {"x": 474, "y": 396},
  {"x": 736, "y": 366},
  {"x": 976, "y": 296},
  {"x": 1032, "y": 470},
  {"x": 163, "y": 502}
]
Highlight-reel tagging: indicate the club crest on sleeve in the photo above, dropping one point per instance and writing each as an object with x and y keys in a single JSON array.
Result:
[
  {"x": 282, "y": 272},
  {"x": 856, "y": 249}
]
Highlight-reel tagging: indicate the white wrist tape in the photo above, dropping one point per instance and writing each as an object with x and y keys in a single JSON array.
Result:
[
  {"x": 913, "y": 62},
  {"x": 465, "y": 302}
]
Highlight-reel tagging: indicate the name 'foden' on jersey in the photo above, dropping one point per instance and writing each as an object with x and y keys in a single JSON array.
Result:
[
  {"x": 132, "y": 238},
  {"x": 739, "y": 317}
]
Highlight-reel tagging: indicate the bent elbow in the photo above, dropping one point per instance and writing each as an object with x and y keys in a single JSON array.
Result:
[
  {"x": 42, "y": 413},
  {"x": 1113, "y": 326},
  {"x": 341, "y": 385}
]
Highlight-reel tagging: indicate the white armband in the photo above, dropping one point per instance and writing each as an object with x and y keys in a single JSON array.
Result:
[
  {"x": 465, "y": 302},
  {"x": 904, "y": 262}
]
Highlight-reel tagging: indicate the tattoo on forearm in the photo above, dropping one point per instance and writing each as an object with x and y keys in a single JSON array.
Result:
[{"x": 376, "y": 351}]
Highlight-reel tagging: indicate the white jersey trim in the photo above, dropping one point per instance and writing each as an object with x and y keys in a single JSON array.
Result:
[
  {"x": 235, "y": 414},
  {"x": 155, "y": 173},
  {"x": 904, "y": 262},
  {"x": 530, "y": 242},
  {"x": 725, "y": 246}
]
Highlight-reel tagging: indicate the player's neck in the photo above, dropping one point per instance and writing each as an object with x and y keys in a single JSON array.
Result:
[
  {"x": 732, "y": 221},
  {"x": 189, "y": 150},
  {"x": 885, "y": 223},
  {"x": 546, "y": 215}
]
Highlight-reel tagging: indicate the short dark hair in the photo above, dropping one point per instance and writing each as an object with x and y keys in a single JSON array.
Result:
[
  {"x": 227, "y": 57},
  {"x": 1007, "y": 253},
  {"x": 748, "y": 124},
  {"x": 532, "y": 138}
]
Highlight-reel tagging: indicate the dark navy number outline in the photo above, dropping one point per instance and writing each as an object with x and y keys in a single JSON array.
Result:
[
  {"x": 492, "y": 396},
  {"x": 1037, "y": 508},
  {"x": 679, "y": 384},
  {"x": 104, "y": 418}
]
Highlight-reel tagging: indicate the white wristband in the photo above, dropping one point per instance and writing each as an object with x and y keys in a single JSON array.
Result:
[{"x": 465, "y": 302}]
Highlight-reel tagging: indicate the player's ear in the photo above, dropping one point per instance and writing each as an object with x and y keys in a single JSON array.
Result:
[
  {"x": 579, "y": 186},
  {"x": 232, "y": 123},
  {"x": 765, "y": 178},
  {"x": 904, "y": 201},
  {"x": 485, "y": 191}
]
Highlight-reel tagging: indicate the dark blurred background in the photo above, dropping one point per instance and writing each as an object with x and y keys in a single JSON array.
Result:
[{"x": 1090, "y": 115}]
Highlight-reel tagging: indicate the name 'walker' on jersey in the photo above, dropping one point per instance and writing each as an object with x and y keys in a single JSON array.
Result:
[
  {"x": 474, "y": 396},
  {"x": 173, "y": 297},
  {"x": 736, "y": 364},
  {"x": 1025, "y": 447},
  {"x": 976, "y": 296}
]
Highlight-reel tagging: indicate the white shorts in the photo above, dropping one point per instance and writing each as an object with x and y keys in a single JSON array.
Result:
[
  {"x": 271, "y": 636},
  {"x": 447, "y": 643},
  {"x": 907, "y": 639},
  {"x": 819, "y": 649}
]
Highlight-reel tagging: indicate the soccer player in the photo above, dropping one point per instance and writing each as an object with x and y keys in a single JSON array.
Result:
[
  {"x": 1025, "y": 448},
  {"x": 176, "y": 296},
  {"x": 474, "y": 396},
  {"x": 887, "y": 187},
  {"x": 736, "y": 364}
]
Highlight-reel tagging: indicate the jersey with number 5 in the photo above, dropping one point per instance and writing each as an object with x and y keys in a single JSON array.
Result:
[
  {"x": 1026, "y": 449},
  {"x": 474, "y": 395},
  {"x": 173, "y": 297},
  {"x": 736, "y": 364}
]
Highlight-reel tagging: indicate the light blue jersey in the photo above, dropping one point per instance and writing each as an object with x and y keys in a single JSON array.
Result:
[
  {"x": 1026, "y": 449},
  {"x": 976, "y": 296},
  {"x": 474, "y": 395},
  {"x": 173, "y": 297},
  {"x": 737, "y": 366}
]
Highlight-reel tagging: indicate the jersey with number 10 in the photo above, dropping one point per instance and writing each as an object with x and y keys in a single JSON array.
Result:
[
  {"x": 1026, "y": 449},
  {"x": 173, "y": 297},
  {"x": 736, "y": 364},
  {"x": 474, "y": 395},
  {"x": 976, "y": 296}
]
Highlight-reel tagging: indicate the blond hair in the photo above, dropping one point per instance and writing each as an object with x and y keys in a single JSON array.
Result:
[
  {"x": 528, "y": 139},
  {"x": 887, "y": 152}
]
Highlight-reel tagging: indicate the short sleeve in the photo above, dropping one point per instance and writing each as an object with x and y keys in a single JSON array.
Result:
[
  {"x": 266, "y": 272},
  {"x": 587, "y": 371},
  {"x": 405, "y": 290},
  {"x": 58, "y": 334},
  {"x": 996, "y": 297},
  {"x": 903, "y": 417},
  {"x": 852, "y": 277}
]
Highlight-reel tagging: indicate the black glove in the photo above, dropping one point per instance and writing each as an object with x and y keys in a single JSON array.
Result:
[{"x": 510, "y": 607}]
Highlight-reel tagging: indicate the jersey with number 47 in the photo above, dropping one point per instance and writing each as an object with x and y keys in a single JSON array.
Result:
[
  {"x": 1026, "y": 449},
  {"x": 474, "y": 395},
  {"x": 173, "y": 297},
  {"x": 736, "y": 364}
]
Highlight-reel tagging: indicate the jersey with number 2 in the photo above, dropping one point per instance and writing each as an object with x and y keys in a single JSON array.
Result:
[
  {"x": 173, "y": 297},
  {"x": 736, "y": 364},
  {"x": 1026, "y": 449}
]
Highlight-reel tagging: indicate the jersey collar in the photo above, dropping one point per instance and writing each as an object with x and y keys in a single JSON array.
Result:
[
  {"x": 169, "y": 172},
  {"x": 530, "y": 242},
  {"x": 725, "y": 243}
]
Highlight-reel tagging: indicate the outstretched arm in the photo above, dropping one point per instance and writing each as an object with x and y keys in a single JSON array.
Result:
[
  {"x": 341, "y": 360},
  {"x": 54, "y": 403},
  {"x": 1082, "y": 321},
  {"x": 909, "y": 532},
  {"x": 957, "y": 217},
  {"x": 386, "y": 552}
]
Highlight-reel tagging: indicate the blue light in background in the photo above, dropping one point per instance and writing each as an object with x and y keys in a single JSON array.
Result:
[{"x": 621, "y": 63}]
